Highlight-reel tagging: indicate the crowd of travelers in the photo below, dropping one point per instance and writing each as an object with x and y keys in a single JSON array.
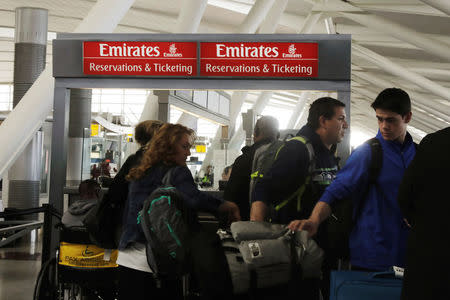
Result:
[{"x": 394, "y": 188}]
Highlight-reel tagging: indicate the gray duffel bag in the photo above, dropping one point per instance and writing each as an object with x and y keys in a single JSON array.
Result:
[{"x": 266, "y": 250}]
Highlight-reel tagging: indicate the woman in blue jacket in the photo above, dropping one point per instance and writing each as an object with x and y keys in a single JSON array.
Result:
[{"x": 169, "y": 148}]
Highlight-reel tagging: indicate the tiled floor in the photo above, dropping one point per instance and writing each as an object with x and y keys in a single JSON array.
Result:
[{"x": 19, "y": 267}]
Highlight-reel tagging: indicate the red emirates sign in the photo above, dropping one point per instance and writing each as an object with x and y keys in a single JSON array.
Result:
[
  {"x": 254, "y": 59},
  {"x": 140, "y": 58}
]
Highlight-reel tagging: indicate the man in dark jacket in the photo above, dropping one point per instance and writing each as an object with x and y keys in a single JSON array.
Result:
[
  {"x": 325, "y": 128},
  {"x": 424, "y": 201},
  {"x": 237, "y": 189}
]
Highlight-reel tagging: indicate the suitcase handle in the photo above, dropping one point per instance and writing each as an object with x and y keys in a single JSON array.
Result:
[{"x": 383, "y": 274}]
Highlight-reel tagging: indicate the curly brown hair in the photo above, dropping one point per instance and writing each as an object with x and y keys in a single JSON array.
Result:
[{"x": 162, "y": 148}]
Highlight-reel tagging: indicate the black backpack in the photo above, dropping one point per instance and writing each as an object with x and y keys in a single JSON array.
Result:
[{"x": 165, "y": 221}]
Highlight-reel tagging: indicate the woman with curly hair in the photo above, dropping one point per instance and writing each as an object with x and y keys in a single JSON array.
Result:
[{"x": 169, "y": 149}]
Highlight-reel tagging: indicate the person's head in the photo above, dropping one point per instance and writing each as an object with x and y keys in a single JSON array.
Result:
[
  {"x": 266, "y": 128},
  {"x": 393, "y": 110},
  {"x": 226, "y": 173},
  {"x": 89, "y": 189},
  {"x": 328, "y": 119},
  {"x": 170, "y": 145},
  {"x": 145, "y": 130}
]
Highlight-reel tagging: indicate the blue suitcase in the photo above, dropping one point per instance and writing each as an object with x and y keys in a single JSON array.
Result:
[{"x": 357, "y": 285}]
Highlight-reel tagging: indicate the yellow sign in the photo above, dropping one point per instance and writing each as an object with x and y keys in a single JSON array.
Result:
[
  {"x": 85, "y": 256},
  {"x": 200, "y": 148},
  {"x": 95, "y": 128}
]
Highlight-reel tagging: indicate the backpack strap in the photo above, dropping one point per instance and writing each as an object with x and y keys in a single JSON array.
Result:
[
  {"x": 167, "y": 177},
  {"x": 311, "y": 167},
  {"x": 376, "y": 161}
]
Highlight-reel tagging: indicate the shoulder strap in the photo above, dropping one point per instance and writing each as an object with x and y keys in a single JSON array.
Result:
[
  {"x": 375, "y": 164},
  {"x": 376, "y": 160},
  {"x": 312, "y": 165},
  {"x": 309, "y": 147},
  {"x": 167, "y": 177}
]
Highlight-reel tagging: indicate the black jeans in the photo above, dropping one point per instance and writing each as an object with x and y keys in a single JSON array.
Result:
[{"x": 133, "y": 284}]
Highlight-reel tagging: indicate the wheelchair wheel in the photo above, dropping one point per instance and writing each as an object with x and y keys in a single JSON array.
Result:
[{"x": 46, "y": 287}]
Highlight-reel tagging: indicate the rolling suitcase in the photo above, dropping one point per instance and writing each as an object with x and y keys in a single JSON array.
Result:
[{"x": 357, "y": 285}]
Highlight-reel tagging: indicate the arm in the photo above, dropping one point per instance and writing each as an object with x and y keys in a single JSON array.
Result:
[
  {"x": 183, "y": 181},
  {"x": 258, "y": 211},
  {"x": 352, "y": 179}
]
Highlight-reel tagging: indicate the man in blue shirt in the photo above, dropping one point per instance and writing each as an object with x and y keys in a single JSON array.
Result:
[{"x": 378, "y": 238}]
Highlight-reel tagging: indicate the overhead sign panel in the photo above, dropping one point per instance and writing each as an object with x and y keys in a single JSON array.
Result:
[
  {"x": 140, "y": 58},
  {"x": 258, "y": 59}
]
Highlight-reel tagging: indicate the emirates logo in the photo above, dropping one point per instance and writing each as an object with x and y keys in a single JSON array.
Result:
[
  {"x": 292, "y": 49},
  {"x": 173, "y": 51},
  {"x": 292, "y": 52}
]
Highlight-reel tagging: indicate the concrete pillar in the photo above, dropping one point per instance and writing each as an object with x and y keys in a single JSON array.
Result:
[
  {"x": 79, "y": 126},
  {"x": 29, "y": 62}
]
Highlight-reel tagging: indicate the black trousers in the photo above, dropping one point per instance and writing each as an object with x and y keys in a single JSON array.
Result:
[
  {"x": 133, "y": 284},
  {"x": 209, "y": 266}
]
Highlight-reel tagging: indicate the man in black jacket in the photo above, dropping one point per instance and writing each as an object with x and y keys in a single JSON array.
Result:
[
  {"x": 424, "y": 201},
  {"x": 237, "y": 189}
]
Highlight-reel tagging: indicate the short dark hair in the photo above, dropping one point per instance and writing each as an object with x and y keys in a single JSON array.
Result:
[
  {"x": 393, "y": 99},
  {"x": 324, "y": 106},
  {"x": 88, "y": 187},
  {"x": 266, "y": 127}
]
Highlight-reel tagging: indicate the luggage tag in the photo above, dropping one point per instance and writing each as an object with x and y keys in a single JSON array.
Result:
[{"x": 398, "y": 272}]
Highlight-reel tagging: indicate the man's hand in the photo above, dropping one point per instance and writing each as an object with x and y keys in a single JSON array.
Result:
[
  {"x": 230, "y": 210},
  {"x": 308, "y": 225}
]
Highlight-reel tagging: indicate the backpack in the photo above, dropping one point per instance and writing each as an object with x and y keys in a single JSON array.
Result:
[
  {"x": 165, "y": 224},
  {"x": 263, "y": 160}
]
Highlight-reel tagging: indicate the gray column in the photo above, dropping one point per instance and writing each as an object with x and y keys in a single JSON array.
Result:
[
  {"x": 29, "y": 62},
  {"x": 79, "y": 120}
]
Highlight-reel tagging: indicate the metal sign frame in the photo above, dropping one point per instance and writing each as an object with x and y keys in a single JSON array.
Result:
[{"x": 334, "y": 75}]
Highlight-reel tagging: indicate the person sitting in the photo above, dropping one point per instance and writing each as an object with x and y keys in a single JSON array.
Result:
[
  {"x": 169, "y": 149},
  {"x": 89, "y": 194}
]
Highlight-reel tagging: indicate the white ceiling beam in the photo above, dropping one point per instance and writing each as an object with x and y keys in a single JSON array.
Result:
[
  {"x": 191, "y": 13},
  {"x": 309, "y": 23},
  {"x": 402, "y": 72},
  {"x": 341, "y": 6},
  {"x": 296, "y": 114},
  {"x": 239, "y": 136},
  {"x": 402, "y": 33},
  {"x": 255, "y": 16},
  {"x": 442, "y": 5},
  {"x": 430, "y": 106},
  {"x": 425, "y": 122},
  {"x": 272, "y": 19}
]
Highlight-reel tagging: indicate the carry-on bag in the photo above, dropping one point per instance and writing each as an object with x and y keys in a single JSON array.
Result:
[{"x": 357, "y": 285}]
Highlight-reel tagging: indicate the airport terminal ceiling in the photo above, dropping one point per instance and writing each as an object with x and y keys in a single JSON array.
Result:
[{"x": 393, "y": 41}]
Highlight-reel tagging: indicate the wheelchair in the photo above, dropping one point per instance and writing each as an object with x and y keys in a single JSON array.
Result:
[{"x": 80, "y": 270}]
